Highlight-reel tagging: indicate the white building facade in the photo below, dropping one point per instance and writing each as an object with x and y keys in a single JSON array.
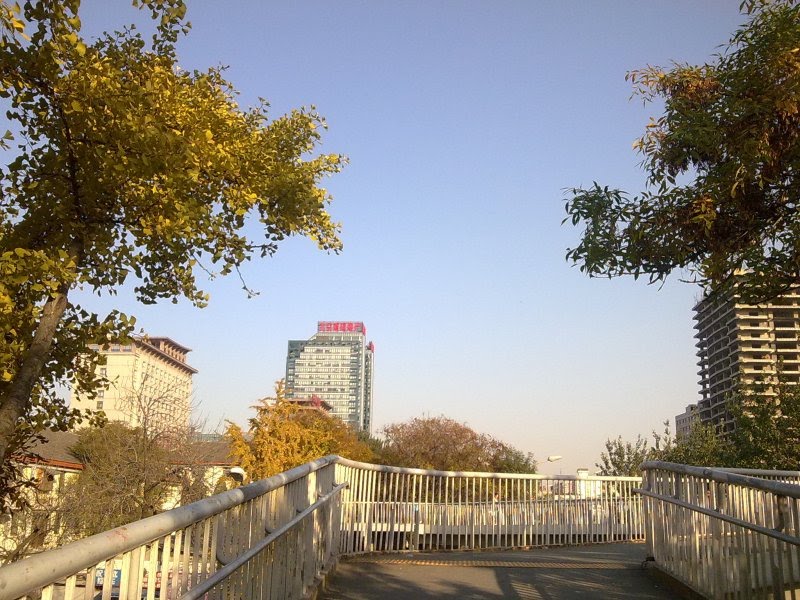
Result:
[{"x": 149, "y": 384}]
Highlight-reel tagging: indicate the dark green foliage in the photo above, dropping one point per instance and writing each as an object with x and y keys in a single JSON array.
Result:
[
  {"x": 767, "y": 432},
  {"x": 623, "y": 458},
  {"x": 722, "y": 166}
]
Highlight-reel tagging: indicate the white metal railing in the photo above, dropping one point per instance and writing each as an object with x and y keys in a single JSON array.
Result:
[
  {"x": 725, "y": 534},
  {"x": 386, "y": 509},
  {"x": 275, "y": 538},
  {"x": 268, "y": 539},
  {"x": 783, "y": 476}
]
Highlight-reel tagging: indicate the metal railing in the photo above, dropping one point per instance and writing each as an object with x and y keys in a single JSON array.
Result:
[
  {"x": 722, "y": 533},
  {"x": 393, "y": 509},
  {"x": 276, "y": 537},
  {"x": 271, "y": 538},
  {"x": 782, "y": 476}
]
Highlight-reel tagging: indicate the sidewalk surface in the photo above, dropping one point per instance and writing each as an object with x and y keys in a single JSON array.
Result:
[{"x": 598, "y": 571}]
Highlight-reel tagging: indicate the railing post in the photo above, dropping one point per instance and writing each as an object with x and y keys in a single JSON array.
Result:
[
  {"x": 417, "y": 521},
  {"x": 648, "y": 517}
]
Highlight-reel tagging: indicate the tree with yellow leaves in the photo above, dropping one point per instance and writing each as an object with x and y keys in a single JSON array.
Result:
[
  {"x": 127, "y": 167},
  {"x": 284, "y": 434}
]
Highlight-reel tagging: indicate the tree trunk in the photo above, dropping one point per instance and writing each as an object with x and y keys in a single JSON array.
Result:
[{"x": 15, "y": 405}]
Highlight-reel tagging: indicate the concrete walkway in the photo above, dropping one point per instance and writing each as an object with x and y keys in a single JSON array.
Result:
[{"x": 598, "y": 571}]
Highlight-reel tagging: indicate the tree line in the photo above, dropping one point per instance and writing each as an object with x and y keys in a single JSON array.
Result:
[
  {"x": 134, "y": 471},
  {"x": 283, "y": 434},
  {"x": 765, "y": 434}
]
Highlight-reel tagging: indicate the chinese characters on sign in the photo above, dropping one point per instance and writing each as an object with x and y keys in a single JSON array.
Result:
[{"x": 341, "y": 327}]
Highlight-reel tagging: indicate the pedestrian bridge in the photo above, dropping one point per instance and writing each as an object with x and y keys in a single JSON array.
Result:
[{"x": 719, "y": 532}]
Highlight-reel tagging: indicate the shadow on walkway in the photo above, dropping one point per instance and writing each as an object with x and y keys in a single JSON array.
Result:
[{"x": 607, "y": 571}]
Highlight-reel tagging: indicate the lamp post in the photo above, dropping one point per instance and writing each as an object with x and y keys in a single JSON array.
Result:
[{"x": 553, "y": 458}]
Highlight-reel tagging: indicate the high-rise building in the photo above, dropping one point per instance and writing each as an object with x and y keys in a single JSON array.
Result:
[
  {"x": 336, "y": 366},
  {"x": 742, "y": 343},
  {"x": 150, "y": 383}
]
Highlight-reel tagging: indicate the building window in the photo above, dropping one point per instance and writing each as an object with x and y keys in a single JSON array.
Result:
[{"x": 99, "y": 405}]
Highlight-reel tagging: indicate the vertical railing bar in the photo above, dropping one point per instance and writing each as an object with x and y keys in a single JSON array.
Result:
[
  {"x": 381, "y": 495},
  {"x": 177, "y": 558},
  {"x": 195, "y": 562},
  {"x": 472, "y": 514},
  {"x": 366, "y": 505},
  {"x": 375, "y": 483},
  {"x": 88, "y": 589},
  {"x": 125, "y": 577},
  {"x": 151, "y": 569},
  {"x": 425, "y": 515},
  {"x": 521, "y": 517},
  {"x": 461, "y": 529},
  {"x": 185, "y": 555},
  {"x": 387, "y": 498},
  {"x": 349, "y": 502},
  {"x": 373, "y": 504},
  {"x": 69, "y": 587}
]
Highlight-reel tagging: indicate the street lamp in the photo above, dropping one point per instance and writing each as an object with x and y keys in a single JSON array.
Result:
[
  {"x": 553, "y": 458},
  {"x": 237, "y": 474}
]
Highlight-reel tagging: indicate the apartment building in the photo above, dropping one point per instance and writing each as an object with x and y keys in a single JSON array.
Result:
[
  {"x": 743, "y": 343},
  {"x": 686, "y": 420}
]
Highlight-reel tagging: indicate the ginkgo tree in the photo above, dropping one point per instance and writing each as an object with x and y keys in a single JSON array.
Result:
[
  {"x": 284, "y": 434},
  {"x": 126, "y": 167}
]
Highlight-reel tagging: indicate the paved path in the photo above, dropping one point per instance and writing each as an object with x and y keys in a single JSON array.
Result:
[{"x": 599, "y": 571}]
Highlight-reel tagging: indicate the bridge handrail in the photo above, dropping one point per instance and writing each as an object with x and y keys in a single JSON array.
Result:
[
  {"x": 778, "y": 535},
  {"x": 759, "y": 472},
  {"x": 201, "y": 590},
  {"x": 730, "y": 476},
  {"x": 477, "y": 474},
  {"x": 18, "y": 578},
  {"x": 723, "y": 533},
  {"x": 381, "y": 507}
]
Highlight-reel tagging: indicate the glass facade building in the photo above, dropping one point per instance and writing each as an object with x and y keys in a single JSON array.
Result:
[{"x": 335, "y": 365}]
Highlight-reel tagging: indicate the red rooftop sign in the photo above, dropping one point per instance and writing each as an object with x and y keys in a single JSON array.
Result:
[{"x": 341, "y": 327}]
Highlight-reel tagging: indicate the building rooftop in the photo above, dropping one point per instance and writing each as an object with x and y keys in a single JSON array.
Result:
[
  {"x": 55, "y": 450},
  {"x": 168, "y": 350},
  {"x": 312, "y": 402}
]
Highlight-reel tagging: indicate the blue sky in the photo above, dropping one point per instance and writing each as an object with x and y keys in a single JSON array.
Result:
[{"x": 464, "y": 122}]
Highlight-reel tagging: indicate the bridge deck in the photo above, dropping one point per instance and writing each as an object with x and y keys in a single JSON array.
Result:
[{"x": 600, "y": 571}]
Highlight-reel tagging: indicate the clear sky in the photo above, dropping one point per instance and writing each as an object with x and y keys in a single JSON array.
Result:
[{"x": 464, "y": 122}]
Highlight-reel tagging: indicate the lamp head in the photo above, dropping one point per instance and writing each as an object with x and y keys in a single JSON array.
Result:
[{"x": 237, "y": 473}]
